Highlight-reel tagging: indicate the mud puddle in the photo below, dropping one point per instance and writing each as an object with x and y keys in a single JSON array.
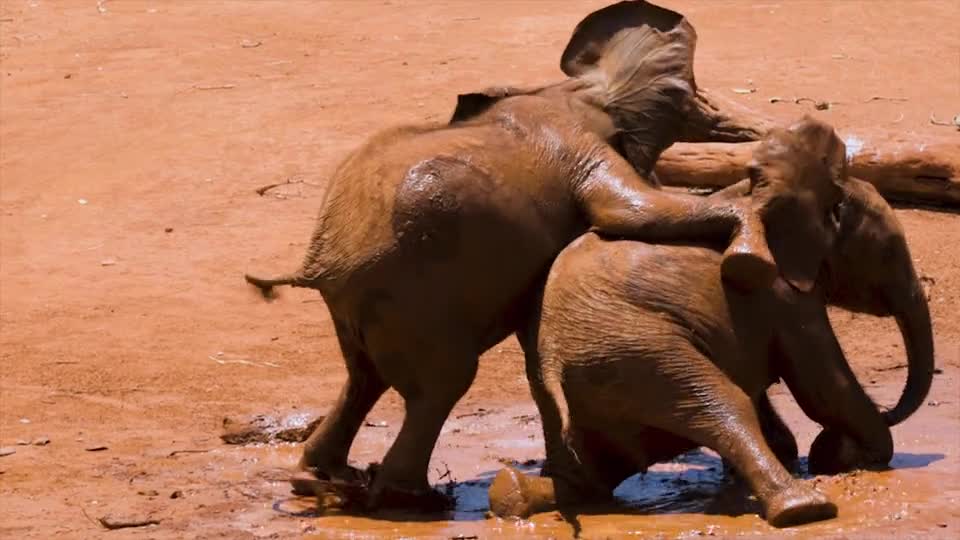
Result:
[{"x": 687, "y": 498}]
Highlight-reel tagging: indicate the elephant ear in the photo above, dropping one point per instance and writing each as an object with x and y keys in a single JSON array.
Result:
[
  {"x": 638, "y": 60},
  {"x": 476, "y": 103},
  {"x": 796, "y": 177}
]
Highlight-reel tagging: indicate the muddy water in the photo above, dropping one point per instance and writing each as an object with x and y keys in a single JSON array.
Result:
[{"x": 689, "y": 497}]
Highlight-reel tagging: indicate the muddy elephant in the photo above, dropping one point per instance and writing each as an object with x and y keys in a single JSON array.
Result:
[
  {"x": 431, "y": 238},
  {"x": 640, "y": 352}
]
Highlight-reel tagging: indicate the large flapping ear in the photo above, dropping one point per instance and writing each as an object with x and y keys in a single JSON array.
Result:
[
  {"x": 475, "y": 103},
  {"x": 638, "y": 58}
]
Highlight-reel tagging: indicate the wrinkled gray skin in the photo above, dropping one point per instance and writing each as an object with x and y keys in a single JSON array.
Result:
[
  {"x": 432, "y": 238},
  {"x": 631, "y": 365}
]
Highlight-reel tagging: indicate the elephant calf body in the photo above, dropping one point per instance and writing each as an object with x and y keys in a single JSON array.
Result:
[{"x": 640, "y": 352}]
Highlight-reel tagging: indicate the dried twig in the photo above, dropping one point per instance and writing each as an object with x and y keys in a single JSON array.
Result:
[
  {"x": 890, "y": 368},
  {"x": 214, "y": 87},
  {"x": 113, "y": 524},
  {"x": 818, "y": 105},
  {"x": 244, "y": 362},
  {"x": 884, "y": 98},
  {"x": 175, "y": 452},
  {"x": 956, "y": 121},
  {"x": 261, "y": 191},
  {"x": 86, "y": 515}
]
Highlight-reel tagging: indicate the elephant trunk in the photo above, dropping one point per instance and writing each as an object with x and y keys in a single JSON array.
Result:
[{"x": 913, "y": 318}]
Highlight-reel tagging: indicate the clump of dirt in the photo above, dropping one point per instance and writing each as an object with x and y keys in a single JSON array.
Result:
[{"x": 266, "y": 429}]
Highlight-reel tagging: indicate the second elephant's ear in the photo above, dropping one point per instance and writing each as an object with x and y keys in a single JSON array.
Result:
[
  {"x": 638, "y": 59},
  {"x": 476, "y": 103}
]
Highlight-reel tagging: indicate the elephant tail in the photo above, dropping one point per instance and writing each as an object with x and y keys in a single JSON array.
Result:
[
  {"x": 553, "y": 384},
  {"x": 266, "y": 285}
]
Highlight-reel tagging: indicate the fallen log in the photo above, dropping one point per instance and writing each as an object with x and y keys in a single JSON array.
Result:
[{"x": 917, "y": 169}]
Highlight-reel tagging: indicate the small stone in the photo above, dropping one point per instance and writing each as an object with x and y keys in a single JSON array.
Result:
[
  {"x": 942, "y": 525},
  {"x": 379, "y": 424},
  {"x": 148, "y": 493},
  {"x": 22, "y": 442},
  {"x": 177, "y": 494},
  {"x": 168, "y": 230},
  {"x": 68, "y": 75},
  {"x": 82, "y": 201},
  {"x": 24, "y": 420},
  {"x": 41, "y": 441},
  {"x": 96, "y": 448},
  {"x": 7, "y": 451},
  {"x": 108, "y": 262}
]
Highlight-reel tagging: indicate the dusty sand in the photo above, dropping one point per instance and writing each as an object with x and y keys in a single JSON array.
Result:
[{"x": 131, "y": 143}]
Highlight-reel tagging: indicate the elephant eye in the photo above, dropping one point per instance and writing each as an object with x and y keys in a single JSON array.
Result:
[{"x": 835, "y": 212}]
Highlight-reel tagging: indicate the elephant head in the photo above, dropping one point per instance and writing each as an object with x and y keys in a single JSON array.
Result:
[
  {"x": 630, "y": 69},
  {"x": 870, "y": 270},
  {"x": 796, "y": 182}
]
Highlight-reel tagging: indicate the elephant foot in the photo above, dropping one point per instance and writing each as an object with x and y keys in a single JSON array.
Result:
[
  {"x": 748, "y": 263},
  {"x": 798, "y": 504},
  {"x": 834, "y": 452},
  {"x": 425, "y": 501},
  {"x": 305, "y": 480},
  {"x": 514, "y": 494}
]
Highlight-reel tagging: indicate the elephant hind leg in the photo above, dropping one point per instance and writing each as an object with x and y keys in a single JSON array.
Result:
[
  {"x": 325, "y": 452},
  {"x": 430, "y": 379},
  {"x": 712, "y": 411}
]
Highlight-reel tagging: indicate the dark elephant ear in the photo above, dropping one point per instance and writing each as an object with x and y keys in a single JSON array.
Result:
[
  {"x": 638, "y": 58},
  {"x": 476, "y": 103},
  {"x": 797, "y": 176}
]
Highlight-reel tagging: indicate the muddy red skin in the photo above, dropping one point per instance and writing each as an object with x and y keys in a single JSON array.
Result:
[
  {"x": 686, "y": 361},
  {"x": 489, "y": 200}
]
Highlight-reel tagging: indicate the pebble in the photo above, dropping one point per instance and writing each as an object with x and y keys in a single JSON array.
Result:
[
  {"x": 108, "y": 262},
  {"x": 176, "y": 494},
  {"x": 7, "y": 451},
  {"x": 41, "y": 441},
  {"x": 95, "y": 448},
  {"x": 82, "y": 201}
]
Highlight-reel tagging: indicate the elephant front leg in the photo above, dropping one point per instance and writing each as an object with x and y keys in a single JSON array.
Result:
[
  {"x": 776, "y": 433},
  {"x": 618, "y": 203},
  {"x": 815, "y": 369},
  {"x": 704, "y": 406}
]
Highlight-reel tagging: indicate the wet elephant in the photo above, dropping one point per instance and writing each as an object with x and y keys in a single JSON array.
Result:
[
  {"x": 639, "y": 352},
  {"x": 431, "y": 239}
]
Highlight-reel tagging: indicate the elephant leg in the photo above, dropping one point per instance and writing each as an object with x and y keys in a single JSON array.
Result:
[
  {"x": 617, "y": 203},
  {"x": 777, "y": 434},
  {"x": 326, "y": 450},
  {"x": 432, "y": 385},
  {"x": 816, "y": 371},
  {"x": 728, "y": 422}
]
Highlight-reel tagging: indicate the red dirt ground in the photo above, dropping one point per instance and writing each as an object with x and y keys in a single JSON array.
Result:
[{"x": 133, "y": 136}]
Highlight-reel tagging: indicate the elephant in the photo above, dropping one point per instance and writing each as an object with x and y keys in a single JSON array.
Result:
[
  {"x": 431, "y": 239},
  {"x": 639, "y": 352}
]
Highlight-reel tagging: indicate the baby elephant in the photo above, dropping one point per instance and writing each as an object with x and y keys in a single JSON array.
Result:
[{"x": 640, "y": 352}]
